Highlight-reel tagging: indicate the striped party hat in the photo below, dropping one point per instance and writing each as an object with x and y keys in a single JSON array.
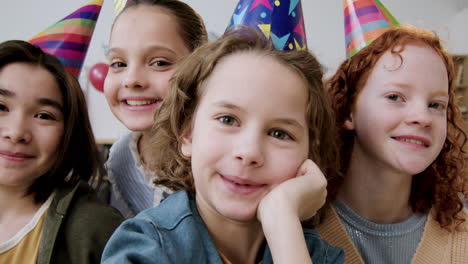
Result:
[
  {"x": 364, "y": 21},
  {"x": 281, "y": 21},
  {"x": 69, "y": 38}
]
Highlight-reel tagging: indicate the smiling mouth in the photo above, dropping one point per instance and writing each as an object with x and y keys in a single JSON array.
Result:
[
  {"x": 243, "y": 184},
  {"x": 242, "y": 188},
  {"x": 141, "y": 102},
  {"x": 410, "y": 140},
  {"x": 18, "y": 157}
]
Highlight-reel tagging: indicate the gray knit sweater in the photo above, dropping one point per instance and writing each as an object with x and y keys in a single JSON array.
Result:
[
  {"x": 382, "y": 243},
  {"x": 132, "y": 188}
]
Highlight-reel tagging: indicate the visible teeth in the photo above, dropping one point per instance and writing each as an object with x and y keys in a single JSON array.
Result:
[
  {"x": 413, "y": 141},
  {"x": 137, "y": 103}
]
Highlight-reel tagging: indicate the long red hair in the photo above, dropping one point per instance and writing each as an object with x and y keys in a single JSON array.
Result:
[{"x": 438, "y": 186}]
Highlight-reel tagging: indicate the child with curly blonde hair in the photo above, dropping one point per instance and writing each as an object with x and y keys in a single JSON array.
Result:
[{"x": 240, "y": 136}]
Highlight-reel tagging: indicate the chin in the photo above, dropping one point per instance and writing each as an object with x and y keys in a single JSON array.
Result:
[
  {"x": 240, "y": 214},
  {"x": 416, "y": 167},
  {"x": 242, "y": 217},
  {"x": 136, "y": 126}
]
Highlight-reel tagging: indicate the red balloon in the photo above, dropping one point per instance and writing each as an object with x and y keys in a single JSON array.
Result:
[{"x": 97, "y": 74}]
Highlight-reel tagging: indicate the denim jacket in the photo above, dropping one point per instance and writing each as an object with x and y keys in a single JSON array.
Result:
[{"x": 174, "y": 232}]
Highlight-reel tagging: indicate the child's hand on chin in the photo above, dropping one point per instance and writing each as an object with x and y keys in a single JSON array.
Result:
[{"x": 299, "y": 197}]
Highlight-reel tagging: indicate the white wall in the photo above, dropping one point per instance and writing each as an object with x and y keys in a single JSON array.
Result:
[{"x": 21, "y": 19}]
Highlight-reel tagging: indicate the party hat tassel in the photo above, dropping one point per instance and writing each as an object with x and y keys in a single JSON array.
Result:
[{"x": 69, "y": 38}]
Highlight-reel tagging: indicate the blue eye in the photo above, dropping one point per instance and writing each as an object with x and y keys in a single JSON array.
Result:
[
  {"x": 279, "y": 134},
  {"x": 227, "y": 120}
]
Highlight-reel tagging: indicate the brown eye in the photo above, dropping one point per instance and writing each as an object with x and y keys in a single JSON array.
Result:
[
  {"x": 118, "y": 64},
  {"x": 44, "y": 116}
]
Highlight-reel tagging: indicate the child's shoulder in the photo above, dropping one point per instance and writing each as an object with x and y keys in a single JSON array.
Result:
[
  {"x": 123, "y": 158},
  {"x": 170, "y": 212},
  {"x": 320, "y": 250},
  {"x": 77, "y": 226},
  {"x": 122, "y": 144},
  {"x": 80, "y": 205},
  {"x": 464, "y": 226},
  {"x": 170, "y": 233}
]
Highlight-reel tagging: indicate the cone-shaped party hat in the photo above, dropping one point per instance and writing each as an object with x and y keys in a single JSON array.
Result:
[
  {"x": 69, "y": 38},
  {"x": 364, "y": 21},
  {"x": 281, "y": 21}
]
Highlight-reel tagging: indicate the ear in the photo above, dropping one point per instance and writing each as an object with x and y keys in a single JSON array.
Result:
[
  {"x": 186, "y": 143},
  {"x": 349, "y": 122}
]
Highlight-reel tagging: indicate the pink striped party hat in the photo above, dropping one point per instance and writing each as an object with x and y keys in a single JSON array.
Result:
[
  {"x": 364, "y": 21},
  {"x": 69, "y": 38}
]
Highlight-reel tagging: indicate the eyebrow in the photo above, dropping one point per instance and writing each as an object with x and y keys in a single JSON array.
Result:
[
  {"x": 406, "y": 86},
  {"x": 6, "y": 93},
  {"x": 290, "y": 122},
  {"x": 396, "y": 84},
  {"x": 441, "y": 94},
  {"x": 146, "y": 49},
  {"x": 287, "y": 121},
  {"x": 40, "y": 101},
  {"x": 50, "y": 102},
  {"x": 227, "y": 105}
]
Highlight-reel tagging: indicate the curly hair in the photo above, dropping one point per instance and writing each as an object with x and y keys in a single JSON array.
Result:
[
  {"x": 438, "y": 185},
  {"x": 177, "y": 112}
]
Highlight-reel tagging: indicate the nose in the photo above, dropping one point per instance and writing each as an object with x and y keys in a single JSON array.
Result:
[
  {"x": 135, "y": 77},
  {"x": 419, "y": 115},
  {"x": 16, "y": 130},
  {"x": 248, "y": 149}
]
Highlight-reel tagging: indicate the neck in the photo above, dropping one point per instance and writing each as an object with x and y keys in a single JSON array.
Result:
[
  {"x": 14, "y": 198},
  {"x": 16, "y": 210},
  {"x": 379, "y": 195},
  {"x": 239, "y": 242}
]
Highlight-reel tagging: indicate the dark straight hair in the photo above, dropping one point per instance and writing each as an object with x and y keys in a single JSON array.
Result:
[{"x": 78, "y": 155}]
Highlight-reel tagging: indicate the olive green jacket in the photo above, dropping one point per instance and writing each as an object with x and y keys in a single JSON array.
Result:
[{"x": 77, "y": 227}]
